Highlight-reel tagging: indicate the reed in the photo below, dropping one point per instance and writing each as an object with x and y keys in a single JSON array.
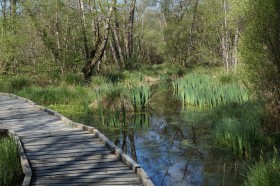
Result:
[
  {"x": 265, "y": 172},
  {"x": 140, "y": 97},
  {"x": 10, "y": 166},
  {"x": 204, "y": 91}
]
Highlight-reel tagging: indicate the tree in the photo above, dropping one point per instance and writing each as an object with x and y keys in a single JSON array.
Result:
[
  {"x": 98, "y": 51},
  {"x": 261, "y": 54}
]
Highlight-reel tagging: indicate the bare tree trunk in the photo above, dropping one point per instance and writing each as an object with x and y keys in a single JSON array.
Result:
[
  {"x": 114, "y": 52},
  {"x": 95, "y": 26},
  {"x": 130, "y": 29},
  {"x": 57, "y": 34},
  {"x": 225, "y": 42},
  {"x": 83, "y": 20},
  {"x": 235, "y": 48},
  {"x": 192, "y": 29},
  {"x": 118, "y": 44}
]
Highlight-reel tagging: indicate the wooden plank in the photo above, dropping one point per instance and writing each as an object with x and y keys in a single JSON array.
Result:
[
  {"x": 88, "y": 179},
  {"x": 100, "y": 182},
  {"x": 36, "y": 143},
  {"x": 69, "y": 132},
  {"x": 79, "y": 167},
  {"x": 69, "y": 155},
  {"x": 82, "y": 171},
  {"x": 66, "y": 151},
  {"x": 74, "y": 162},
  {"x": 59, "y": 138},
  {"x": 79, "y": 148},
  {"x": 63, "y": 145},
  {"x": 75, "y": 173},
  {"x": 78, "y": 158}
]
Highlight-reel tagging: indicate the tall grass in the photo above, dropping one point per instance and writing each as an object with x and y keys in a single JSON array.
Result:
[
  {"x": 204, "y": 91},
  {"x": 10, "y": 166},
  {"x": 55, "y": 94},
  {"x": 265, "y": 172}
]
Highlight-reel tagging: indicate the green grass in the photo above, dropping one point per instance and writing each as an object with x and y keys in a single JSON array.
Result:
[
  {"x": 265, "y": 172},
  {"x": 10, "y": 166},
  {"x": 55, "y": 94},
  {"x": 205, "y": 91}
]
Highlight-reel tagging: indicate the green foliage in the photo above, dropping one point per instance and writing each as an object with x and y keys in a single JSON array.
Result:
[
  {"x": 264, "y": 172},
  {"x": 260, "y": 53},
  {"x": 237, "y": 126},
  {"x": 204, "y": 91},
  {"x": 10, "y": 166}
]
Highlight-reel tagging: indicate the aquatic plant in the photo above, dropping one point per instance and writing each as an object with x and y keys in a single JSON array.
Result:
[
  {"x": 140, "y": 97},
  {"x": 204, "y": 91},
  {"x": 265, "y": 172},
  {"x": 238, "y": 126},
  {"x": 10, "y": 166}
]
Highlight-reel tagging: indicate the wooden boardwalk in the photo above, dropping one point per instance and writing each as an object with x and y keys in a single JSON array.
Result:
[{"x": 62, "y": 155}]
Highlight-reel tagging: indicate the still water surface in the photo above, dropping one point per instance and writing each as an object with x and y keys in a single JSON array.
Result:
[{"x": 173, "y": 145}]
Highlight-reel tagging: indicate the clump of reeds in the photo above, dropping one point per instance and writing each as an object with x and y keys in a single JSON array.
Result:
[
  {"x": 140, "y": 97},
  {"x": 10, "y": 166},
  {"x": 205, "y": 91}
]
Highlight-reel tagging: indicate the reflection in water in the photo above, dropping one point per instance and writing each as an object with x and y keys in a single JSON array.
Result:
[{"x": 173, "y": 147}]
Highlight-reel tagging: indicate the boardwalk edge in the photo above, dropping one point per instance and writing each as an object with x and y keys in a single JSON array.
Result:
[{"x": 113, "y": 148}]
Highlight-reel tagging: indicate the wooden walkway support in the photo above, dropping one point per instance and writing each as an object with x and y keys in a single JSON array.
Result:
[{"x": 62, "y": 152}]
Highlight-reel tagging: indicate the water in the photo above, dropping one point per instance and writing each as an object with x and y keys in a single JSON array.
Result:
[{"x": 173, "y": 145}]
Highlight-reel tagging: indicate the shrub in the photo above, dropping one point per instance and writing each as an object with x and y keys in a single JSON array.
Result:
[{"x": 18, "y": 83}]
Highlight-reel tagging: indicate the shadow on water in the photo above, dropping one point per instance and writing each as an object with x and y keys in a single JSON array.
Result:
[{"x": 173, "y": 145}]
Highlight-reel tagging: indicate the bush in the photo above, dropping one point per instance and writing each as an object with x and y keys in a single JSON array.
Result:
[{"x": 18, "y": 83}]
